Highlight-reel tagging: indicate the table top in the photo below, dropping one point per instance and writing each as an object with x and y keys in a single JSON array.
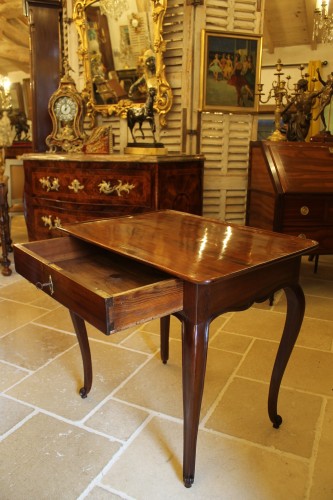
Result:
[
  {"x": 125, "y": 158},
  {"x": 190, "y": 247}
]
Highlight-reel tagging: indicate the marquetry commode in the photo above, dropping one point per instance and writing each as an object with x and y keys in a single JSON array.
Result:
[{"x": 69, "y": 188}]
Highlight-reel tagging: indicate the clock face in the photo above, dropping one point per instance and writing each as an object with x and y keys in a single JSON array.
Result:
[{"x": 65, "y": 108}]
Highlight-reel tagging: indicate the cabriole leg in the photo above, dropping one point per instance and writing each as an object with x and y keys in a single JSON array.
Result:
[
  {"x": 82, "y": 337},
  {"x": 295, "y": 314}
]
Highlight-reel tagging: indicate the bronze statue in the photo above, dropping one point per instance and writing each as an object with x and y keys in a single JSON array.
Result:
[
  {"x": 325, "y": 97},
  {"x": 297, "y": 114}
]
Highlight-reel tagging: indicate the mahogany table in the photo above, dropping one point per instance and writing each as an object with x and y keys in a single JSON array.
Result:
[{"x": 173, "y": 263}]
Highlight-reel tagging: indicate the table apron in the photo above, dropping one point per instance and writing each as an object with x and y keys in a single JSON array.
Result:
[{"x": 203, "y": 303}]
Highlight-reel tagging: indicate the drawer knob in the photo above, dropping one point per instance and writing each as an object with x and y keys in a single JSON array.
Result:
[
  {"x": 305, "y": 210},
  {"x": 49, "y": 285}
]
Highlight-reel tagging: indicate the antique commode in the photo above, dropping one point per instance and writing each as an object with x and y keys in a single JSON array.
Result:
[{"x": 65, "y": 188}]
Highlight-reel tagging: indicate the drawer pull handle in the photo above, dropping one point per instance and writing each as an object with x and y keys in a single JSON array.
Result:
[
  {"x": 50, "y": 185},
  {"x": 40, "y": 285},
  {"x": 106, "y": 188},
  {"x": 76, "y": 186},
  {"x": 305, "y": 210},
  {"x": 48, "y": 222}
]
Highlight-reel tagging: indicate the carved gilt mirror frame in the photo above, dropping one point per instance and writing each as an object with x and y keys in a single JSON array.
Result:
[{"x": 163, "y": 99}]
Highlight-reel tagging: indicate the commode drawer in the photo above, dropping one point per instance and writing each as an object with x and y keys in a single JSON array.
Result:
[
  {"x": 114, "y": 186},
  {"x": 48, "y": 215},
  {"x": 110, "y": 292}
]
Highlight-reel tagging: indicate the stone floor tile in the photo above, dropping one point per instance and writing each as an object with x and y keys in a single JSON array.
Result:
[
  {"x": 41, "y": 459},
  {"x": 159, "y": 387},
  {"x": 117, "y": 419},
  {"x": 225, "y": 468},
  {"x": 242, "y": 412},
  {"x": 56, "y": 386},
  {"x": 9, "y": 375},
  {"x": 11, "y": 413},
  {"x": 32, "y": 346},
  {"x": 323, "y": 478},
  {"x": 304, "y": 372},
  {"x": 14, "y": 315}
]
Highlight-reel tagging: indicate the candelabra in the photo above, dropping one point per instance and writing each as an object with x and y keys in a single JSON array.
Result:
[
  {"x": 282, "y": 94},
  {"x": 322, "y": 24}
]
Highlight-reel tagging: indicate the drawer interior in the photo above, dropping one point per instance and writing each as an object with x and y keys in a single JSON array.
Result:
[
  {"x": 93, "y": 266},
  {"x": 109, "y": 291}
]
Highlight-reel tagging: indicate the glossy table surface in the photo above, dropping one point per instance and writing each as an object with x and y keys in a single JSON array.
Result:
[{"x": 193, "y": 248}]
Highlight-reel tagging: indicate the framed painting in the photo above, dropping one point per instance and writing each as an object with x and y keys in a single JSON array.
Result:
[{"x": 230, "y": 67}]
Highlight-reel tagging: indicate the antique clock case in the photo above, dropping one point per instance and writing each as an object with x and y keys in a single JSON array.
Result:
[{"x": 66, "y": 108}]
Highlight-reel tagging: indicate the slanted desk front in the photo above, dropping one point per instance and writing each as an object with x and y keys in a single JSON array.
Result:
[
  {"x": 290, "y": 190},
  {"x": 118, "y": 272}
]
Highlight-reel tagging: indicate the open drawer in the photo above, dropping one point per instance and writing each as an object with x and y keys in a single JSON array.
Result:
[{"x": 107, "y": 290}]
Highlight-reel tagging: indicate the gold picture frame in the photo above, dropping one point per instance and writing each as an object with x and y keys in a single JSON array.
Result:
[
  {"x": 230, "y": 67},
  {"x": 164, "y": 97}
]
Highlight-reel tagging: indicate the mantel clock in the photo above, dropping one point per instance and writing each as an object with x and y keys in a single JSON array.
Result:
[{"x": 66, "y": 108}]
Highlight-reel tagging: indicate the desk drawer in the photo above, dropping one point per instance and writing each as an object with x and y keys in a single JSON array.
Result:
[
  {"x": 308, "y": 210},
  {"x": 109, "y": 291}
]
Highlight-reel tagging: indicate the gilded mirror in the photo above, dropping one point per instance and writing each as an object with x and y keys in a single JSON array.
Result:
[{"x": 122, "y": 55}]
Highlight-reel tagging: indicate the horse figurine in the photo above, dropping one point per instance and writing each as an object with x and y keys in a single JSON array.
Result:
[{"x": 141, "y": 114}]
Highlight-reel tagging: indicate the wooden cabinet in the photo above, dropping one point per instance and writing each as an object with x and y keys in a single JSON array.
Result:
[
  {"x": 70, "y": 188},
  {"x": 290, "y": 190}
]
